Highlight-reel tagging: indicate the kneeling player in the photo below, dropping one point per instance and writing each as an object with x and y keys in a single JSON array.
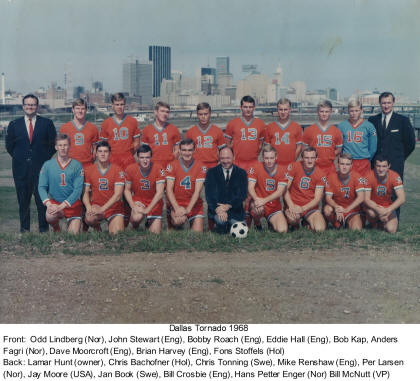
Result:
[
  {"x": 344, "y": 194},
  {"x": 382, "y": 181},
  {"x": 305, "y": 189},
  {"x": 62, "y": 179},
  {"x": 104, "y": 185},
  {"x": 184, "y": 182},
  {"x": 145, "y": 184},
  {"x": 266, "y": 184}
]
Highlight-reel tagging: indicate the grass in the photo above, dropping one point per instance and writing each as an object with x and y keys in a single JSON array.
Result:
[{"x": 408, "y": 238}]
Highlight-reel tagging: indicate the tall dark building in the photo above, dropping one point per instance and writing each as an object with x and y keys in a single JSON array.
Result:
[{"x": 161, "y": 59}]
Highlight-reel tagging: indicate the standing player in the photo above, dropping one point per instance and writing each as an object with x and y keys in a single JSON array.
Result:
[
  {"x": 145, "y": 184},
  {"x": 83, "y": 135},
  {"x": 359, "y": 138},
  {"x": 380, "y": 209},
  {"x": 60, "y": 186},
  {"x": 162, "y": 137},
  {"x": 325, "y": 137},
  {"x": 122, "y": 133},
  {"x": 245, "y": 135},
  {"x": 284, "y": 135},
  {"x": 305, "y": 189},
  {"x": 104, "y": 185},
  {"x": 208, "y": 137},
  {"x": 184, "y": 182},
  {"x": 266, "y": 184},
  {"x": 344, "y": 195}
]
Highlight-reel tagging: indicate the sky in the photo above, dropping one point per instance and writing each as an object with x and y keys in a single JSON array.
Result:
[{"x": 346, "y": 44}]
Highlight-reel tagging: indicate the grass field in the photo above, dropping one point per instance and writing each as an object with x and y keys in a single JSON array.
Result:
[{"x": 408, "y": 238}]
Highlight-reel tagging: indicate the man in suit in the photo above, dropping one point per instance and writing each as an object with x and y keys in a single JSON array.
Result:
[
  {"x": 395, "y": 133},
  {"x": 30, "y": 141},
  {"x": 226, "y": 190}
]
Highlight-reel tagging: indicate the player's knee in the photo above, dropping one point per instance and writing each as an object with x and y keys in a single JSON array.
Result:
[{"x": 328, "y": 210}]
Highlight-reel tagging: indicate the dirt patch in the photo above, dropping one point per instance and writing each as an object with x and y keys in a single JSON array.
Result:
[{"x": 263, "y": 287}]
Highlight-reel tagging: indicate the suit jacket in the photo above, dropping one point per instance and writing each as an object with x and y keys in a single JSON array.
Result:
[
  {"x": 27, "y": 157},
  {"x": 397, "y": 141},
  {"x": 233, "y": 194}
]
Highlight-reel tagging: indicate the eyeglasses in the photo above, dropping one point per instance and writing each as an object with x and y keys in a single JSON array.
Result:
[{"x": 30, "y": 104}]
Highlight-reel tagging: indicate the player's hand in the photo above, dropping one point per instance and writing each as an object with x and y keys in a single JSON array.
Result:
[
  {"x": 222, "y": 208},
  {"x": 89, "y": 211},
  {"x": 259, "y": 202},
  {"x": 259, "y": 210},
  {"x": 52, "y": 208},
  {"x": 180, "y": 212},
  {"x": 384, "y": 214},
  {"x": 223, "y": 216}
]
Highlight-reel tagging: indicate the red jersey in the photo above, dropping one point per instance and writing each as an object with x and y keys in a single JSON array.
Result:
[
  {"x": 207, "y": 143},
  {"x": 302, "y": 188},
  {"x": 284, "y": 139},
  {"x": 266, "y": 184},
  {"x": 102, "y": 184},
  {"x": 82, "y": 140},
  {"x": 184, "y": 178},
  {"x": 326, "y": 141},
  {"x": 246, "y": 137},
  {"x": 345, "y": 192},
  {"x": 143, "y": 184},
  {"x": 161, "y": 141},
  {"x": 120, "y": 136},
  {"x": 381, "y": 192}
]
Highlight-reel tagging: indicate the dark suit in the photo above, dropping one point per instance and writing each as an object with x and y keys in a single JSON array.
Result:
[
  {"x": 396, "y": 142},
  {"x": 27, "y": 160},
  {"x": 233, "y": 194}
]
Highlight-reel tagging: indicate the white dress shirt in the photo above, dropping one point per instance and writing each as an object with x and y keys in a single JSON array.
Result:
[
  {"x": 27, "y": 123},
  {"x": 387, "y": 118}
]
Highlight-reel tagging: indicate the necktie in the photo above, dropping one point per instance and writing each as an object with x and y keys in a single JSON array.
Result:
[
  {"x": 384, "y": 123},
  {"x": 31, "y": 130},
  {"x": 227, "y": 176}
]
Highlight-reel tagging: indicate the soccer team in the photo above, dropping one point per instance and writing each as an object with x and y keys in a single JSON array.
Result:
[{"x": 308, "y": 177}]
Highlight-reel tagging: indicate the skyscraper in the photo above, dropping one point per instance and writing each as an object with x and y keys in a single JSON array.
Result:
[
  {"x": 137, "y": 80},
  {"x": 222, "y": 66},
  {"x": 161, "y": 60}
]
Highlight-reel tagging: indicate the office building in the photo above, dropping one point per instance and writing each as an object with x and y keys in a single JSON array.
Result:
[
  {"x": 160, "y": 56},
  {"x": 138, "y": 80},
  {"x": 222, "y": 66}
]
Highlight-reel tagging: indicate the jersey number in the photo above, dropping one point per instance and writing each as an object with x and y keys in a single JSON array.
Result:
[
  {"x": 186, "y": 182},
  {"x": 121, "y": 134},
  {"x": 252, "y": 134},
  {"x": 346, "y": 191},
  {"x": 207, "y": 142},
  {"x": 324, "y": 140},
  {"x": 164, "y": 141},
  {"x": 103, "y": 184},
  {"x": 381, "y": 190},
  {"x": 63, "y": 180},
  {"x": 284, "y": 138},
  {"x": 270, "y": 185},
  {"x": 356, "y": 138},
  {"x": 305, "y": 183}
]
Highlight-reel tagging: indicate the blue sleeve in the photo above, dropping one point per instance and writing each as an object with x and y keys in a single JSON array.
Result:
[
  {"x": 77, "y": 185},
  {"x": 43, "y": 183},
  {"x": 373, "y": 141}
]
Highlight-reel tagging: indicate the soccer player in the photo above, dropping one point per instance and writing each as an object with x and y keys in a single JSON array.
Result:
[
  {"x": 122, "y": 133},
  {"x": 83, "y": 135},
  {"x": 245, "y": 135},
  {"x": 380, "y": 209},
  {"x": 359, "y": 138},
  {"x": 60, "y": 186},
  {"x": 284, "y": 135},
  {"x": 266, "y": 184},
  {"x": 305, "y": 189},
  {"x": 344, "y": 195},
  {"x": 162, "y": 137},
  {"x": 104, "y": 185},
  {"x": 325, "y": 137},
  {"x": 145, "y": 184},
  {"x": 184, "y": 182},
  {"x": 208, "y": 137}
]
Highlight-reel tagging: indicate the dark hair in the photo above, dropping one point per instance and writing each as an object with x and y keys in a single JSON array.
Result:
[
  {"x": 162, "y": 104},
  {"x": 79, "y": 102},
  {"x": 247, "y": 98},
  {"x": 386, "y": 94},
  {"x": 381, "y": 157},
  {"x": 203, "y": 106},
  {"x": 144, "y": 148},
  {"x": 30, "y": 96},
  {"x": 103, "y": 143},
  {"x": 186, "y": 142},
  {"x": 309, "y": 149},
  {"x": 62, "y": 137},
  {"x": 117, "y": 97}
]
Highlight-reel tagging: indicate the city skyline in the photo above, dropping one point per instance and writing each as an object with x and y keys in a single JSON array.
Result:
[{"x": 350, "y": 46}]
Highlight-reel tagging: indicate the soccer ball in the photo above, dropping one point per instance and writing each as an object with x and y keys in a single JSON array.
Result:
[{"x": 239, "y": 230}]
